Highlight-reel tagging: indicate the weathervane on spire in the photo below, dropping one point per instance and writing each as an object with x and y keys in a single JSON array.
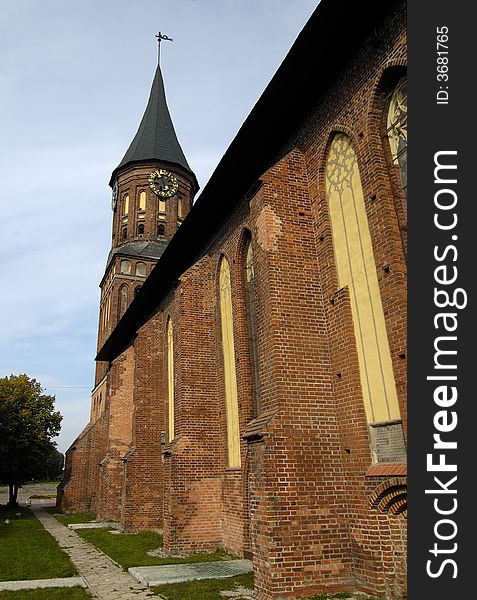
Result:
[{"x": 160, "y": 36}]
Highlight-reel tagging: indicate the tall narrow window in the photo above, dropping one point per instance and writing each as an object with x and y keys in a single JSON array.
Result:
[
  {"x": 251, "y": 309},
  {"x": 161, "y": 229},
  {"x": 397, "y": 128},
  {"x": 162, "y": 206},
  {"x": 230, "y": 378},
  {"x": 123, "y": 300},
  {"x": 126, "y": 205},
  {"x": 142, "y": 201},
  {"x": 170, "y": 378},
  {"x": 357, "y": 270},
  {"x": 140, "y": 229},
  {"x": 180, "y": 208}
]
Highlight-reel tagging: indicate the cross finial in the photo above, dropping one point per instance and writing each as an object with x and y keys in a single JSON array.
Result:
[{"x": 160, "y": 36}]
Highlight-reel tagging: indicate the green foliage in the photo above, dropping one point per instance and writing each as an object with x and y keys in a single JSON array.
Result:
[
  {"x": 28, "y": 551},
  {"x": 205, "y": 589},
  {"x": 54, "y": 466},
  {"x": 28, "y": 422},
  {"x": 130, "y": 550}
]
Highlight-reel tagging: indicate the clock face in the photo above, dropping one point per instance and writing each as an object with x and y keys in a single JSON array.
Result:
[
  {"x": 114, "y": 197},
  {"x": 163, "y": 183}
]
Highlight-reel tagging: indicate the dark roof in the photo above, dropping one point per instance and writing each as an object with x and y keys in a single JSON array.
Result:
[
  {"x": 141, "y": 249},
  {"x": 156, "y": 138},
  {"x": 326, "y": 44}
]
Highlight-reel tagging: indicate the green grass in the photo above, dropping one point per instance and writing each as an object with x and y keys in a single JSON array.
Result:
[
  {"x": 67, "y": 519},
  {"x": 28, "y": 550},
  {"x": 75, "y": 593},
  {"x": 205, "y": 589},
  {"x": 130, "y": 550}
]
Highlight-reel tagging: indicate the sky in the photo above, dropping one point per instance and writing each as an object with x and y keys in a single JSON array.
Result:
[{"x": 74, "y": 82}]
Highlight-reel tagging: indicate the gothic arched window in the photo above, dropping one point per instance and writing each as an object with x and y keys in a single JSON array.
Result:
[
  {"x": 123, "y": 300},
  {"x": 397, "y": 128},
  {"x": 142, "y": 201},
  {"x": 356, "y": 270},
  {"x": 170, "y": 378},
  {"x": 180, "y": 208},
  {"x": 251, "y": 309},
  {"x": 161, "y": 229},
  {"x": 140, "y": 229},
  {"x": 230, "y": 377}
]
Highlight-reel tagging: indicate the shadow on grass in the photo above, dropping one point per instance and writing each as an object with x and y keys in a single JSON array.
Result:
[
  {"x": 205, "y": 589},
  {"x": 76, "y": 593},
  {"x": 130, "y": 549},
  {"x": 67, "y": 519}
]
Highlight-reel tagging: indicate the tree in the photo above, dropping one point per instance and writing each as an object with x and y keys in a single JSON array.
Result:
[
  {"x": 54, "y": 465},
  {"x": 27, "y": 425}
]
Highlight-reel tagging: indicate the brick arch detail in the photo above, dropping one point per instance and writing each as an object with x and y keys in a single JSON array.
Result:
[{"x": 390, "y": 496}]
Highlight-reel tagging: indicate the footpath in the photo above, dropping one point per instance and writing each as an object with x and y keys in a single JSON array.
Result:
[
  {"x": 104, "y": 579},
  {"x": 108, "y": 581}
]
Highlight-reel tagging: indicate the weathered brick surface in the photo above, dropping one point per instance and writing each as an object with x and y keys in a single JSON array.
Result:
[
  {"x": 304, "y": 501},
  {"x": 111, "y": 474},
  {"x": 192, "y": 459},
  {"x": 143, "y": 485}
]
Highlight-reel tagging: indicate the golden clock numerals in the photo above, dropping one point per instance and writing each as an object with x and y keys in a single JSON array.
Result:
[{"x": 163, "y": 183}]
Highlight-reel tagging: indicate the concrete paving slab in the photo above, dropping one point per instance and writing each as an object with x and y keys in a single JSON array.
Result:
[
  {"x": 33, "y": 584},
  {"x": 94, "y": 525},
  {"x": 160, "y": 575}
]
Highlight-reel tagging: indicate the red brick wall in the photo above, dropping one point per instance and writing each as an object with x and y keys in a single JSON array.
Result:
[
  {"x": 192, "y": 507},
  {"x": 73, "y": 494},
  {"x": 143, "y": 493},
  {"x": 121, "y": 393}
]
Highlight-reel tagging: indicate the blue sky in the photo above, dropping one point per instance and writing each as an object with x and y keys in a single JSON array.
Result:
[{"x": 74, "y": 82}]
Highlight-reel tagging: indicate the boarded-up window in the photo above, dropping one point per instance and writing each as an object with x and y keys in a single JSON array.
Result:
[
  {"x": 170, "y": 379},
  {"x": 356, "y": 270},
  {"x": 230, "y": 378}
]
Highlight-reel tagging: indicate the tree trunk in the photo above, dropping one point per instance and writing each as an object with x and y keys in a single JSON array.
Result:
[{"x": 12, "y": 495}]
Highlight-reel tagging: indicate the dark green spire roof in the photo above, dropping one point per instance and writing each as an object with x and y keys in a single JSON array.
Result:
[{"x": 155, "y": 138}]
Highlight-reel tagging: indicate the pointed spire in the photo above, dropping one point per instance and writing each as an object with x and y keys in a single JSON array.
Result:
[{"x": 156, "y": 138}]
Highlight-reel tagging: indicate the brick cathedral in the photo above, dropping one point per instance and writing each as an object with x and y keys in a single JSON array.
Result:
[{"x": 250, "y": 388}]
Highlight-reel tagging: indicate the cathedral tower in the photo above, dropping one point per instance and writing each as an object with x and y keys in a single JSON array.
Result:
[{"x": 152, "y": 192}]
